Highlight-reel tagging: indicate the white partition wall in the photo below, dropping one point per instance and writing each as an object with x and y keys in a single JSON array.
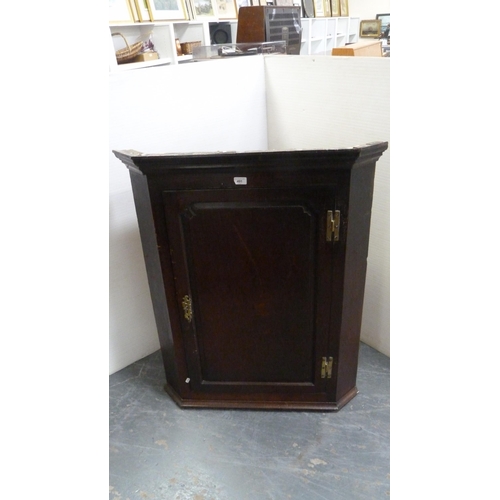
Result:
[
  {"x": 242, "y": 104},
  {"x": 206, "y": 106},
  {"x": 330, "y": 102}
]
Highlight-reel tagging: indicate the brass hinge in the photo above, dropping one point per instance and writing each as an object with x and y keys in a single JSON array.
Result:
[
  {"x": 332, "y": 225},
  {"x": 188, "y": 307},
  {"x": 326, "y": 367}
]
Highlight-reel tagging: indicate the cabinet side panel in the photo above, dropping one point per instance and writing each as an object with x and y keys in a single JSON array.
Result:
[
  {"x": 359, "y": 214},
  {"x": 153, "y": 268}
]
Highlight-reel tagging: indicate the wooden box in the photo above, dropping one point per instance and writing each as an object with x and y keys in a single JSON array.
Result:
[
  {"x": 365, "y": 49},
  {"x": 145, "y": 56},
  {"x": 256, "y": 264},
  {"x": 259, "y": 24}
]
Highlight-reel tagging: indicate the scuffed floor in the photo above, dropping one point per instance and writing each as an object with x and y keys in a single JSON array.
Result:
[{"x": 161, "y": 452}]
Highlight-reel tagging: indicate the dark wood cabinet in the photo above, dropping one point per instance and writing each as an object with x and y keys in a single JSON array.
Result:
[{"x": 256, "y": 263}]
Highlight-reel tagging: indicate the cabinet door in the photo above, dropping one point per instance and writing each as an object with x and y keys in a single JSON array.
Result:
[{"x": 253, "y": 279}]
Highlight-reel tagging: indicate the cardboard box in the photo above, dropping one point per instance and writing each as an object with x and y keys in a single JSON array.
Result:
[
  {"x": 145, "y": 56},
  {"x": 366, "y": 49}
]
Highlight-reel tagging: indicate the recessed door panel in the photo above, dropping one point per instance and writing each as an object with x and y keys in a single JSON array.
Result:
[{"x": 252, "y": 275}]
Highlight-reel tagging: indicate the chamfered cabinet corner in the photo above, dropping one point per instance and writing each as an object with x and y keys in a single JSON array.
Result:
[{"x": 256, "y": 263}]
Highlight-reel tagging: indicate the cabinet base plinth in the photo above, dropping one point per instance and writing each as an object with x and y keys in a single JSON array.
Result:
[{"x": 260, "y": 405}]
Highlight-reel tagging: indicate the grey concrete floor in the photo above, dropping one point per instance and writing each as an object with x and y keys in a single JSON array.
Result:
[{"x": 159, "y": 451}]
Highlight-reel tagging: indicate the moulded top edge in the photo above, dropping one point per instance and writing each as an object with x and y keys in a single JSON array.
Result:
[{"x": 132, "y": 153}]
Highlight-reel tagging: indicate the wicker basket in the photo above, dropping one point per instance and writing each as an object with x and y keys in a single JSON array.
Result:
[
  {"x": 127, "y": 54},
  {"x": 187, "y": 47}
]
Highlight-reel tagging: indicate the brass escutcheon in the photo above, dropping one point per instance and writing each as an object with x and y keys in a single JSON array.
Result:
[{"x": 188, "y": 308}]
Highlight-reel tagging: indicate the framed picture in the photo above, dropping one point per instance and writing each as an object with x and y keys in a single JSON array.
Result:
[
  {"x": 327, "y": 8},
  {"x": 385, "y": 20},
  {"x": 227, "y": 9},
  {"x": 344, "y": 8},
  {"x": 205, "y": 9},
  {"x": 318, "y": 8},
  {"x": 166, "y": 10},
  {"x": 308, "y": 8},
  {"x": 142, "y": 10},
  {"x": 120, "y": 12},
  {"x": 335, "y": 8},
  {"x": 135, "y": 12},
  {"x": 369, "y": 28}
]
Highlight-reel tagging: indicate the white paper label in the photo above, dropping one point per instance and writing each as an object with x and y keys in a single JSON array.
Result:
[{"x": 240, "y": 181}]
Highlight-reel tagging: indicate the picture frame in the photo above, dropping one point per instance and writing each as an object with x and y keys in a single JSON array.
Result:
[
  {"x": 344, "y": 8},
  {"x": 308, "y": 8},
  {"x": 205, "y": 9},
  {"x": 135, "y": 12},
  {"x": 369, "y": 28},
  {"x": 189, "y": 9},
  {"x": 120, "y": 11},
  {"x": 335, "y": 8},
  {"x": 319, "y": 10},
  {"x": 327, "y": 9},
  {"x": 227, "y": 9},
  {"x": 142, "y": 9},
  {"x": 385, "y": 20},
  {"x": 167, "y": 10}
]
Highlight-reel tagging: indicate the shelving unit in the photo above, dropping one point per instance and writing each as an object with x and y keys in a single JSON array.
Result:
[
  {"x": 319, "y": 36},
  {"x": 353, "y": 29},
  {"x": 163, "y": 35}
]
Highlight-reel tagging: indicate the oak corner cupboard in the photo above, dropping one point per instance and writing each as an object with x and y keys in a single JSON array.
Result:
[{"x": 256, "y": 263}]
